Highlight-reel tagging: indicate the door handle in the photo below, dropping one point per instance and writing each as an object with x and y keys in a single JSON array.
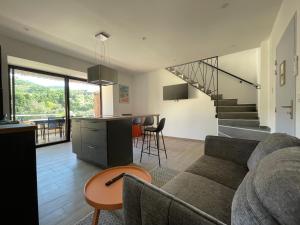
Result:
[
  {"x": 290, "y": 107},
  {"x": 94, "y": 130},
  {"x": 91, "y": 147}
]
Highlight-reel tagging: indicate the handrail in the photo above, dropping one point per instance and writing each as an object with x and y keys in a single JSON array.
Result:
[
  {"x": 193, "y": 61},
  {"x": 257, "y": 86}
]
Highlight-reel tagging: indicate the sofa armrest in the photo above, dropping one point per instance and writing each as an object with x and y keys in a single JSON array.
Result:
[
  {"x": 232, "y": 149},
  {"x": 146, "y": 204}
]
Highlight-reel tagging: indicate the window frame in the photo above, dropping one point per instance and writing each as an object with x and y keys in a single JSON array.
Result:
[{"x": 67, "y": 78}]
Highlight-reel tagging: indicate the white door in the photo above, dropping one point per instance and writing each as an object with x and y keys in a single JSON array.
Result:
[{"x": 286, "y": 81}]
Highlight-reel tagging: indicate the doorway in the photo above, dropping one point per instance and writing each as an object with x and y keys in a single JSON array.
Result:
[{"x": 286, "y": 81}]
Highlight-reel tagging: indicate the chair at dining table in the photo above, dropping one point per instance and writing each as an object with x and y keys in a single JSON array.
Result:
[{"x": 56, "y": 123}]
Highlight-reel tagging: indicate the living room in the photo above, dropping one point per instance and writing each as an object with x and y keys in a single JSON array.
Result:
[{"x": 183, "y": 104}]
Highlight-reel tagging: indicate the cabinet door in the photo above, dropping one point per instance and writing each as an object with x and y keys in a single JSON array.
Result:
[
  {"x": 95, "y": 154},
  {"x": 119, "y": 142},
  {"x": 94, "y": 141},
  {"x": 76, "y": 136},
  {"x": 94, "y": 136},
  {"x": 93, "y": 124}
]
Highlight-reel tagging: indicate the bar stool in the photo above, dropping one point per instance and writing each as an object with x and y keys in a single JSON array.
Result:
[
  {"x": 148, "y": 122},
  {"x": 155, "y": 131},
  {"x": 136, "y": 130}
]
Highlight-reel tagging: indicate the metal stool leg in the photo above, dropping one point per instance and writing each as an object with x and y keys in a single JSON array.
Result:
[
  {"x": 157, "y": 145},
  {"x": 149, "y": 143},
  {"x": 136, "y": 141},
  {"x": 162, "y": 136},
  {"x": 142, "y": 148},
  {"x": 154, "y": 138}
]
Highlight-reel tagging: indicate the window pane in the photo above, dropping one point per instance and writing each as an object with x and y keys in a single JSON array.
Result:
[
  {"x": 40, "y": 99},
  {"x": 84, "y": 99}
]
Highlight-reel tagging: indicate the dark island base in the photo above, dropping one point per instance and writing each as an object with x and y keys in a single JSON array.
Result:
[{"x": 105, "y": 143}]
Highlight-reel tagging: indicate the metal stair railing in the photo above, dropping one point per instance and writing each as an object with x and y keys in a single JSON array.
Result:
[{"x": 204, "y": 75}]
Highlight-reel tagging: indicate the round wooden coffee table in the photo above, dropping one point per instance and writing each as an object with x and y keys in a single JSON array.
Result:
[{"x": 103, "y": 197}]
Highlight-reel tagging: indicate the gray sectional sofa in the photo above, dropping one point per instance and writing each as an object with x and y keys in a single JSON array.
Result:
[{"x": 236, "y": 181}]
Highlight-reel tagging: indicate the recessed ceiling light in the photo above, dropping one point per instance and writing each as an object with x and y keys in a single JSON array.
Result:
[{"x": 103, "y": 36}]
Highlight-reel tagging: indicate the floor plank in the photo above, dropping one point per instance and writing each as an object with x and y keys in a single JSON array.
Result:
[{"x": 61, "y": 177}]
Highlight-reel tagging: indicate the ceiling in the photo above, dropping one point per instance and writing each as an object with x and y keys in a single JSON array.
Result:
[
  {"x": 175, "y": 31},
  {"x": 44, "y": 67}
]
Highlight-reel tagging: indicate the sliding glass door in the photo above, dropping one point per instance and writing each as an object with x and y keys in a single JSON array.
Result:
[
  {"x": 50, "y": 100},
  {"x": 40, "y": 99}
]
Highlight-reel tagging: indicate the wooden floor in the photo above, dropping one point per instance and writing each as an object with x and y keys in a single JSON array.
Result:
[{"x": 61, "y": 177}]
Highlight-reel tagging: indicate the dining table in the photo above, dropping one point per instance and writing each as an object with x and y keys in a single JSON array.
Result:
[{"x": 41, "y": 123}]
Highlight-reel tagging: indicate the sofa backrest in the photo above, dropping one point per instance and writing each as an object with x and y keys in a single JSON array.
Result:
[
  {"x": 272, "y": 143},
  {"x": 145, "y": 204},
  {"x": 270, "y": 193}
]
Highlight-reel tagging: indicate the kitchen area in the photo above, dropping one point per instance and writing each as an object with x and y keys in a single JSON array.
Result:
[
  {"x": 102, "y": 140},
  {"x": 61, "y": 121}
]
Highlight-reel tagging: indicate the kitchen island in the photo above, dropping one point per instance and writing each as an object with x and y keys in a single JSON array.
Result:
[{"x": 104, "y": 141}]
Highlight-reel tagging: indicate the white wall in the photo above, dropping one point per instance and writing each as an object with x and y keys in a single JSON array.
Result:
[
  {"x": 120, "y": 108},
  {"x": 244, "y": 65},
  {"x": 192, "y": 118},
  {"x": 264, "y": 81},
  {"x": 288, "y": 9},
  {"x": 11, "y": 47},
  {"x": 108, "y": 100}
]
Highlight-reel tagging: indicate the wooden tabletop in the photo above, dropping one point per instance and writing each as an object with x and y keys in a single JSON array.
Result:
[{"x": 100, "y": 196}]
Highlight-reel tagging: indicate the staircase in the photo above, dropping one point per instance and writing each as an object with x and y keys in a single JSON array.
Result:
[{"x": 234, "y": 120}]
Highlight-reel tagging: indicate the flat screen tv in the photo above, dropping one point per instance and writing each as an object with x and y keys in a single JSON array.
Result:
[{"x": 176, "y": 92}]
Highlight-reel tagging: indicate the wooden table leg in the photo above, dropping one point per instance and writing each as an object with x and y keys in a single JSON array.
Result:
[{"x": 96, "y": 216}]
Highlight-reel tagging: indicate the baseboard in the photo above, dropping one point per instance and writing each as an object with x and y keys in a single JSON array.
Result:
[{"x": 184, "y": 139}]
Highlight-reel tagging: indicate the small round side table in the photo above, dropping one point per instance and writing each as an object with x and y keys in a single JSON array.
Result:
[{"x": 103, "y": 197}]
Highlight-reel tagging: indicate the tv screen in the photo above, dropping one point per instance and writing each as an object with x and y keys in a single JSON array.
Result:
[{"x": 175, "y": 92}]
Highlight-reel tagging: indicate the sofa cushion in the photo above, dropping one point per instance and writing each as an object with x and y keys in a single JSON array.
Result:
[
  {"x": 222, "y": 171},
  {"x": 277, "y": 184},
  {"x": 270, "y": 194},
  {"x": 272, "y": 143},
  {"x": 246, "y": 207},
  {"x": 207, "y": 195}
]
